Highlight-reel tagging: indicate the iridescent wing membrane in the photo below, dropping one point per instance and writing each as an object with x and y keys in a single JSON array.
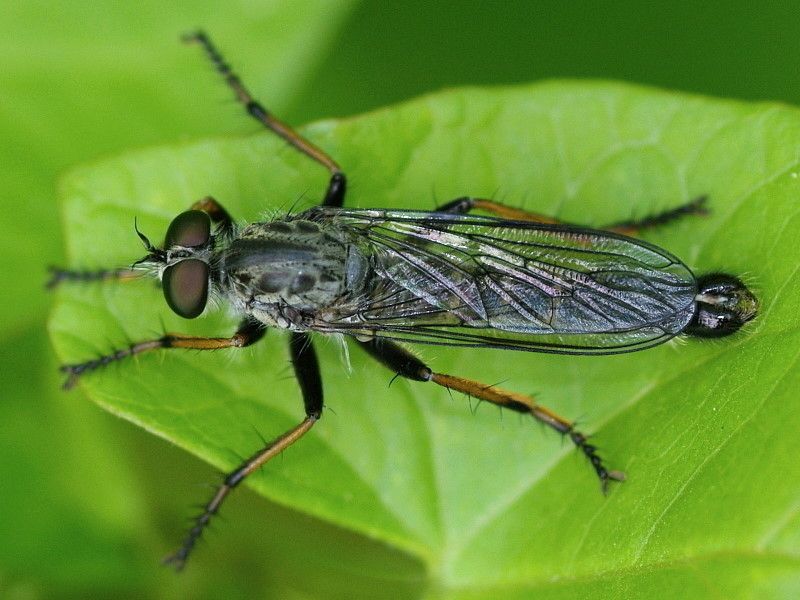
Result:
[{"x": 465, "y": 280}]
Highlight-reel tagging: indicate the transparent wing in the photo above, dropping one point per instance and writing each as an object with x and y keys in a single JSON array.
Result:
[{"x": 468, "y": 280}]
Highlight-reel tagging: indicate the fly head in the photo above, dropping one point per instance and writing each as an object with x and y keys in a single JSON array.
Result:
[{"x": 183, "y": 262}]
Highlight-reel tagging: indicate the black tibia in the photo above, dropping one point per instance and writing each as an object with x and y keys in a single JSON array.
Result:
[
  {"x": 58, "y": 275},
  {"x": 218, "y": 215},
  {"x": 466, "y": 204},
  {"x": 249, "y": 332},
  {"x": 405, "y": 364},
  {"x": 306, "y": 368},
  {"x": 336, "y": 187}
]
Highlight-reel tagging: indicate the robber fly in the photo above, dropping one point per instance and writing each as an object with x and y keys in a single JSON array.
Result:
[{"x": 384, "y": 278}]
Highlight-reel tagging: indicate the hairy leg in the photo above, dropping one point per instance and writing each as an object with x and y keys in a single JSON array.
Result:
[
  {"x": 632, "y": 227},
  {"x": 306, "y": 368},
  {"x": 405, "y": 364},
  {"x": 334, "y": 195}
]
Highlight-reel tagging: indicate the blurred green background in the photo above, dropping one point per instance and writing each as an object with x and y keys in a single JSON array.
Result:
[{"x": 86, "y": 498}]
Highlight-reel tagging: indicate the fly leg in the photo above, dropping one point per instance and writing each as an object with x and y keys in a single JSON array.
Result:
[
  {"x": 467, "y": 204},
  {"x": 306, "y": 369},
  {"x": 697, "y": 206},
  {"x": 334, "y": 196},
  {"x": 248, "y": 333},
  {"x": 633, "y": 227},
  {"x": 405, "y": 364},
  {"x": 59, "y": 275},
  {"x": 218, "y": 215}
]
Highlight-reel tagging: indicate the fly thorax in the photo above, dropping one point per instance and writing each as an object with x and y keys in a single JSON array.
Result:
[{"x": 293, "y": 263}]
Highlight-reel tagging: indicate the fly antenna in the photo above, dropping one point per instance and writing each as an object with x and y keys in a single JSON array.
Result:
[
  {"x": 154, "y": 254},
  {"x": 147, "y": 245}
]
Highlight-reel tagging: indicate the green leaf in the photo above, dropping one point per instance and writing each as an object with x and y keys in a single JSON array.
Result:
[
  {"x": 51, "y": 450},
  {"x": 489, "y": 503}
]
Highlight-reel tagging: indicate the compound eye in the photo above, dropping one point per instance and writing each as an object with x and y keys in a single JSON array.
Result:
[
  {"x": 189, "y": 229},
  {"x": 186, "y": 287}
]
